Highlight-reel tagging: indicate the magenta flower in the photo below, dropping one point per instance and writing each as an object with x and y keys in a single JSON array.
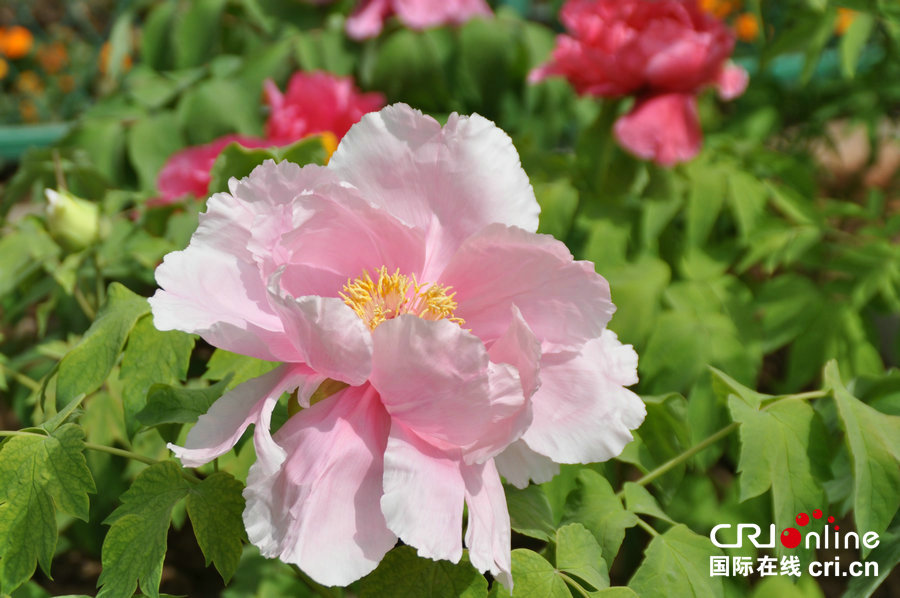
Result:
[
  {"x": 315, "y": 102},
  {"x": 369, "y": 17},
  {"x": 662, "y": 52},
  {"x": 186, "y": 172},
  {"x": 409, "y": 269}
]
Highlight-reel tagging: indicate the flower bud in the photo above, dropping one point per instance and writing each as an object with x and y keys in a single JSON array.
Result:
[{"x": 73, "y": 222}]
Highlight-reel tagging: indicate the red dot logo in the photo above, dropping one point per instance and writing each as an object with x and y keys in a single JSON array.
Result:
[
  {"x": 791, "y": 537},
  {"x": 831, "y": 520},
  {"x": 817, "y": 513},
  {"x": 802, "y": 519}
]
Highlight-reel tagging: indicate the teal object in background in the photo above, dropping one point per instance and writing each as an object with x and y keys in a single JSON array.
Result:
[{"x": 15, "y": 140}]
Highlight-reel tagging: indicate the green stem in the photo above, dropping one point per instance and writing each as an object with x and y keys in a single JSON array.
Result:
[
  {"x": 83, "y": 303},
  {"x": 21, "y": 378},
  {"x": 679, "y": 459},
  {"x": 573, "y": 584},
  {"x": 714, "y": 438},
  {"x": 106, "y": 449},
  {"x": 647, "y": 527}
]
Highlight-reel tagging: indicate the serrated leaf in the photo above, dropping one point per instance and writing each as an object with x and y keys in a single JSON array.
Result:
[
  {"x": 176, "y": 405},
  {"x": 86, "y": 366},
  {"x": 151, "y": 357},
  {"x": 579, "y": 555},
  {"x": 238, "y": 161},
  {"x": 402, "y": 574},
  {"x": 529, "y": 512},
  {"x": 639, "y": 500},
  {"x": 676, "y": 563},
  {"x": 873, "y": 439},
  {"x": 135, "y": 545},
  {"x": 215, "y": 506},
  {"x": 780, "y": 447},
  {"x": 41, "y": 474},
  {"x": 724, "y": 385},
  {"x": 594, "y": 504}
]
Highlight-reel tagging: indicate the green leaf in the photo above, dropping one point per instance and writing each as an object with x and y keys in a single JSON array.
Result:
[
  {"x": 135, "y": 545},
  {"x": 239, "y": 368},
  {"x": 195, "y": 32},
  {"x": 204, "y": 116},
  {"x": 676, "y": 563},
  {"x": 873, "y": 439},
  {"x": 705, "y": 198},
  {"x": 747, "y": 201},
  {"x": 402, "y": 574},
  {"x": 86, "y": 366},
  {"x": 151, "y": 357},
  {"x": 177, "y": 405},
  {"x": 529, "y": 512},
  {"x": 534, "y": 576},
  {"x": 616, "y": 592},
  {"x": 887, "y": 556},
  {"x": 215, "y": 506},
  {"x": 410, "y": 67},
  {"x": 639, "y": 500},
  {"x": 238, "y": 161},
  {"x": 558, "y": 200},
  {"x": 594, "y": 504},
  {"x": 151, "y": 140},
  {"x": 780, "y": 447},
  {"x": 853, "y": 42},
  {"x": 580, "y": 557},
  {"x": 724, "y": 385},
  {"x": 40, "y": 475}
]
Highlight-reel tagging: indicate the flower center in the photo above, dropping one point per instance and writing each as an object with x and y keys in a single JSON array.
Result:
[{"x": 375, "y": 301}]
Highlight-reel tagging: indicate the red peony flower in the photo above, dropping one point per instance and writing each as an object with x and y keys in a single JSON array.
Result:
[{"x": 662, "y": 52}]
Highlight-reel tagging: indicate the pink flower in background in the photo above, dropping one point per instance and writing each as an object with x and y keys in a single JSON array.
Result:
[
  {"x": 315, "y": 102},
  {"x": 186, "y": 172},
  {"x": 368, "y": 19},
  {"x": 408, "y": 269},
  {"x": 663, "y": 52}
]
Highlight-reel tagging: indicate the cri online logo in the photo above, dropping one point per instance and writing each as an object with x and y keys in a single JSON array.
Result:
[{"x": 792, "y": 537}]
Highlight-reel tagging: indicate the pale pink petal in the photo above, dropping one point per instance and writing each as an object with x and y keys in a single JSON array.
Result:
[
  {"x": 217, "y": 286},
  {"x": 488, "y": 531},
  {"x": 328, "y": 335},
  {"x": 732, "y": 81},
  {"x": 582, "y": 412},
  {"x": 336, "y": 232},
  {"x": 519, "y": 464},
  {"x": 423, "y": 495},
  {"x": 520, "y": 348},
  {"x": 563, "y": 301},
  {"x": 663, "y": 128},
  {"x": 449, "y": 181},
  {"x": 421, "y": 14},
  {"x": 218, "y": 429},
  {"x": 320, "y": 510},
  {"x": 368, "y": 19},
  {"x": 436, "y": 379}
]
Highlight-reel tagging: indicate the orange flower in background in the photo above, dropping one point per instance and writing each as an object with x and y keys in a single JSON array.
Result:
[
  {"x": 746, "y": 27},
  {"x": 844, "y": 20},
  {"x": 53, "y": 57},
  {"x": 29, "y": 82},
  {"x": 720, "y": 8},
  {"x": 28, "y": 111},
  {"x": 105, "y": 50},
  {"x": 66, "y": 83},
  {"x": 16, "y": 42}
]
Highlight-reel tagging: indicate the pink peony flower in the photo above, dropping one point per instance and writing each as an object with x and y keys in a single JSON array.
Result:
[
  {"x": 314, "y": 103},
  {"x": 368, "y": 19},
  {"x": 408, "y": 269},
  {"x": 663, "y": 52}
]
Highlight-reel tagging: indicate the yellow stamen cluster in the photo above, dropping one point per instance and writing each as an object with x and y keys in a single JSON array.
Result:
[{"x": 395, "y": 294}]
